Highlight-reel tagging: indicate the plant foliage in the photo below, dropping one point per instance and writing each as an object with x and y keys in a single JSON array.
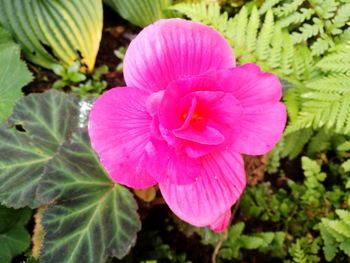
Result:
[
  {"x": 14, "y": 238},
  {"x": 326, "y": 102},
  {"x": 46, "y": 159},
  {"x": 14, "y": 75},
  {"x": 55, "y": 32},
  {"x": 336, "y": 234},
  {"x": 45, "y": 122},
  {"x": 141, "y": 12},
  {"x": 300, "y": 41},
  {"x": 92, "y": 217}
]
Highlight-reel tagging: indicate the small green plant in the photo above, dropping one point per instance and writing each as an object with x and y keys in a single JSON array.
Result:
[
  {"x": 69, "y": 76},
  {"x": 94, "y": 86},
  {"x": 120, "y": 53},
  {"x": 336, "y": 234},
  {"x": 304, "y": 250},
  {"x": 234, "y": 242},
  {"x": 74, "y": 79}
]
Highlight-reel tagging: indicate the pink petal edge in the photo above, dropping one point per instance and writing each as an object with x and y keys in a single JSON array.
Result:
[
  {"x": 217, "y": 188},
  {"x": 171, "y": 49},
  {"x": 164, "y": 164},
  {"x": 264, "y": 117},
  {"x": 222, "y": 222},
  {"x": 119, "y": 128}
]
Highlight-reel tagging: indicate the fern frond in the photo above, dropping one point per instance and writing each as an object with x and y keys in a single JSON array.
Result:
[
  {"x": 305, "y": 250},
  {"x": 295, "y": 142},
  {"x": 287, "y": 54},
  {"x": 341, "y": 18},
  {"x": 322, "y": 110},
  {"x": 331, "y": 84},
  {"x": 318, "y": 24},
  {"x": 267, "y": 5},
  {"x": 298, "y": 253},
  {"x": 293, "y": 102},
  {"x": 307, "y": 31},
  {"x": 288, "y": 8},
  {"x": 327, "y": 102},
  {"x": 336, "y": 234},
  {"x": 326, "y": 8},
  {"x": 321, "y": 142},
  {"x": 338, "y": 62},
  {"x": 297, "y": 18},
  {"x": 252, "y": 30},
  {"x": 276, "y": 48},
  {"x": 251, "y": 40},
  {"x": 303, "y": 66},
  {"x": 240, "y": 28},
  {"x": 321, "y": 45},
  {"x": 202, "y": 13},
  {"x": 262, "y": 47}
]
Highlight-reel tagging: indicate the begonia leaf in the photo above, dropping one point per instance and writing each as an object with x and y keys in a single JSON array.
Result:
[
  {"x": 92, "y": 217},
  {"x": 43, "y": 123}
]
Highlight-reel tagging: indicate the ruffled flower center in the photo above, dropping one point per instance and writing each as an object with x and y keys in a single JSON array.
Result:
[{"x": 193, "y": 119}]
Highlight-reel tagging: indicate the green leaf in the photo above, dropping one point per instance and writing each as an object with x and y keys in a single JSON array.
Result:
[
  {"x": 55, "y": 32},
  {"x": 13, "y": 75},
  {"x": 140, "y": 12},
  {"x": 77, "y": 77},
  {"x": 326, "y": 103},
  {"x": 92, "y": 217},
  {"x": 47, "y": 119},
  {"x": 10, "y": 218},
  {"x": 252, "y": 242},
  {"x": 13, "y": 242},
  {"x": 345, "y": 246},
  {"x": 346, "y": 165},
  {"x": 265, "y": 36},
  {"x": 14, "y": 238}
]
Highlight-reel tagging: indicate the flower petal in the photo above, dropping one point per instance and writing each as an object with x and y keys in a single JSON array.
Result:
[
  {"x": 164, "y": 164},
  {"x": 262, "y": 127},
  {"x": 197, "y": 110},
  {"x": 171, "y": 49},
  {"x": 217, "y": 188},
  {"x": 178, "y": 97},
  {"x": 222, "y": 222},
  {"x": 250, "y": 85},
  {"x": 207, "y": 136},
  {"x": 264, "y": 117},
  {"x": 119, "y": 128}
]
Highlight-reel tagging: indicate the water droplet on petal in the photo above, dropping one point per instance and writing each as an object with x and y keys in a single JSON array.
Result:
[{"x": 216, "y": 177}]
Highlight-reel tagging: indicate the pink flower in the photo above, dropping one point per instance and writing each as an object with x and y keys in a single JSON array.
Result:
[{"x": 184, "y": 119}]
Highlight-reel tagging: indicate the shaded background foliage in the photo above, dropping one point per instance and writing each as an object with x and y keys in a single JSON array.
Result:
[{"x": 296, "y": 207}]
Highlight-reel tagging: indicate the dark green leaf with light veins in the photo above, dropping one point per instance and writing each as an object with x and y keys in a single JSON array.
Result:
[
  {"x": 48, "y": 119},
  {"x": 92, "y": 217}
]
